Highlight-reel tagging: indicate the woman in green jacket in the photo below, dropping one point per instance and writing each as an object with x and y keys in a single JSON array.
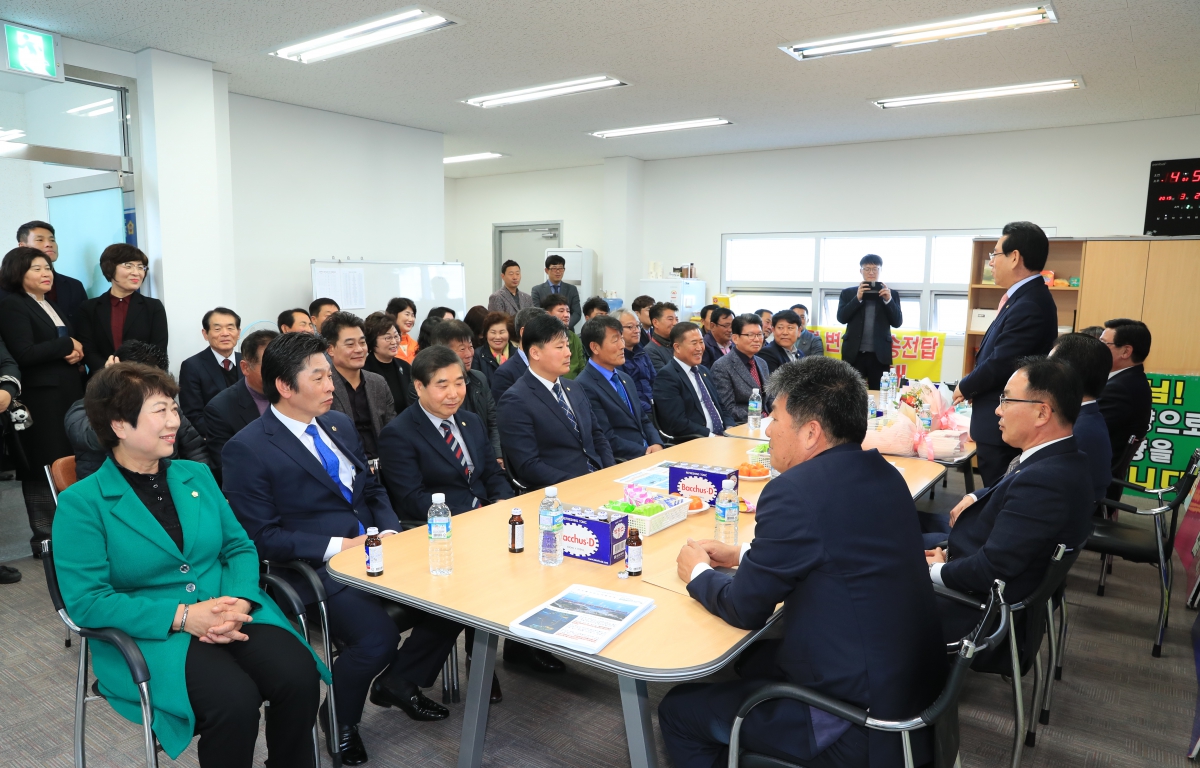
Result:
[{"x": 151, "y": 547}]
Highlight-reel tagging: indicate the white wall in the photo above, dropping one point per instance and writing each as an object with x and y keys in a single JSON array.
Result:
[{"x": 309, "y": 184}]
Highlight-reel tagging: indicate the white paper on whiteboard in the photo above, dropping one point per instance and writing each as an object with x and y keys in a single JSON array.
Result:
[
  {"x": 353, "y": 291},
  {"x": 326, "y": 284}
]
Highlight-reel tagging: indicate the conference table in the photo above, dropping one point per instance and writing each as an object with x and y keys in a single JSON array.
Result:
[{"x": 677, "y": 641}]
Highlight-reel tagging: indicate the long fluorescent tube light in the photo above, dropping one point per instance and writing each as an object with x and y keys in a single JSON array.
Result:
[
  {"x": 407, "y": 23},
  {"x": 1069, "y": 84},
  {"x": 101, "y": 111},
  {"x": 15, "y": 133},
  {"x": 966, "y": 26},
  {"x": 469, "y": 158},
  {"x": 86, "y": 107},
  {"x": 661, "y": 127},
  {"x": 593, "y": 83}
]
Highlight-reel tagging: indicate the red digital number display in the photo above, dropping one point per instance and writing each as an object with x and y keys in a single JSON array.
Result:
[
  {"x": 1180, "y": 177},
  {"x": 1173, "y": 199}
]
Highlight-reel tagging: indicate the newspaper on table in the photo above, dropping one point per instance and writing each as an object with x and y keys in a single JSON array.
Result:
[{"x": 582, "y": 618}]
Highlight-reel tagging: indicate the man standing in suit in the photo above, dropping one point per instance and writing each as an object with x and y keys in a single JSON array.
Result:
[
  {"x": 556, "y": 267},
  {"x": 860, "y": 619},
  {"x": 66, "y": 292},
  {"x": 298, "y": 481},
  {"x": 516, "y": 365},
  {"x": 235, "y": 407},
  {"x": 1026, "y": 324},
  {"x": 663, "y": 319},
  {"x": 686, "y": 400},
  {"x": 741, "y": 371},
  {"x": 547, "y": 427},
  {"x": 1125, "y": 402},
  {"x": 211, "y": 370},
  {"x": 1088, "y": 356},
  {"x": 782, "y": 350},
  {"x": 363, "y": 396},
  {"x": 510, "y": 299},
  {"x": 612, "y": 393},
  {"x": 638, "y": 364},
  {"x": 718, "y": 342},
  {"x": 1008, "y": 530},
  {"x": 869, "y": 312}
]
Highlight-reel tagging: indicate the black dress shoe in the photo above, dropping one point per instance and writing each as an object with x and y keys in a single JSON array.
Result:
[
  {"x": 497, "y": 696},
  {"x": 412, "y": 702},
  {"x": 349, "y": 743},
  {"x": 10, "y": 575},
  {"x": 535, "y": 659}
]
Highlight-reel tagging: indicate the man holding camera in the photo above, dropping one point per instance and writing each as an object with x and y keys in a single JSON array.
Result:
[{"x": 869, "y": 312}]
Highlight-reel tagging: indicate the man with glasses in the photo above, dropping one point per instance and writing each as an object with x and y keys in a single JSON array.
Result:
[
  {"x": 235, "y": 407},
  {"x": 1026, "y": 324},
  {"x": 718, "y": 342},
  {"x": 869, "y": 312},
  {"x": 556, "y": 267},
  {"x": 1044, "y": 498},
  {"x": 361, "y": 395},
  {"x": 638, "y": 364},
  {"x": 740, "y": 372}
]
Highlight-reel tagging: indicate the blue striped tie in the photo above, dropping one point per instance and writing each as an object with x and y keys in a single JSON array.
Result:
[{"x": 562, "y": 403}]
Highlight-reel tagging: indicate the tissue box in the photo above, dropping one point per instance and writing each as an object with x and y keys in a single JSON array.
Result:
[
  {"x": 597, "y": 541},
  {"x": 699, "y": 480}
]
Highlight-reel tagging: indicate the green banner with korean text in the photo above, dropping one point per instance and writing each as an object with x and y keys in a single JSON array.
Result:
[{"x": 1174, "y": 433}]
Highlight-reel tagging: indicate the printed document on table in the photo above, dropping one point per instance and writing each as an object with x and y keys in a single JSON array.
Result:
[{"x": 582, "y": 618}]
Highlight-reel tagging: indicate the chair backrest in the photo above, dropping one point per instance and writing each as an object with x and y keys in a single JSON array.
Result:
[
  {"x": 1127, "y": 455},
  {"x": 1181, "y": 489},
  {"x": 62, "y": 473},
  {"x": 1031, "y": 611}
]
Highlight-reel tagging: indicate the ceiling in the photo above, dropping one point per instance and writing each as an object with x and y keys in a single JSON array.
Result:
[{"x": 683, "y": 59}]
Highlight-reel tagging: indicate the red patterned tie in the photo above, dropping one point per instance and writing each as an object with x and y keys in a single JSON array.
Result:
[
  {"x": 226, "y": 364},
  {"x": 455, "y": 448}
]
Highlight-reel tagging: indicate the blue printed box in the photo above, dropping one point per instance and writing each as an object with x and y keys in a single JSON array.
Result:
[
  {"x": 597, "y": 541},
  {"x": 700, "y": 480}
]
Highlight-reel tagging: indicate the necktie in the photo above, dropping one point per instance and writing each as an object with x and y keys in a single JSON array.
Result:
[
  {"x": 554, "y": 288},
  {"x": 1012, "y": 466},
  {"x": 455, "y": 448},
  {"x": 754, "y": 374},
  {"x": 562, "y": 403},
  {"x": 330, "y": 462},
  {"x": 713, "y": 413},
  {"x": 615, "y": 380},
  {"x": 1003, "y": 301},
  {"x": 227, "y": 365}
]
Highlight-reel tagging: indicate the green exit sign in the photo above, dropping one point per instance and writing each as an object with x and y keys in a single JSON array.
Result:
[{"x": 33, "y": 52}]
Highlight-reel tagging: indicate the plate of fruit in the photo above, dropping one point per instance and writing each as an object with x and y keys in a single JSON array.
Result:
[
  {"x": 752, "y": 472},
  {"x": 697, "y": 506}
]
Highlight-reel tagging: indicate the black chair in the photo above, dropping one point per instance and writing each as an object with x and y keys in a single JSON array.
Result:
[
  {"x": 518, "y": 486},
  {"x": 1024, "y": 644},
  {"x": 1138, "y": 545},
  {"x": 941, "y": 715},
  {"x": 669, "y": 439},
  {"x": 289, "y": 602}
]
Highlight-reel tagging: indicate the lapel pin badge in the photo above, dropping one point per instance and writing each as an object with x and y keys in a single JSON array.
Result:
[
  {"x": 333, "y": 428},
  {"x": 195, "y": 494}
]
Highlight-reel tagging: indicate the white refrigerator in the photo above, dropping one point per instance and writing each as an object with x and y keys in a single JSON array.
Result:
[{"x": 688, "y": 295}]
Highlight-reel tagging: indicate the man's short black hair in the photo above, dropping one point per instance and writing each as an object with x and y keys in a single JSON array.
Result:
[
  {"x": 450, "y": 331},
  {"x": 741, "y": 321},
  {"x": 1133, "y": 333},
  {"x": 641, "y": 302},
  {"x": 399, "y": 304},
  {"x": 508, "y": 263},
  {"x": 1095, "y": 331},
  {"x": 719, "y": 314},
  {"x": 16, "y": 263},
  {"x": 554, "y": 259},
  {"x": 254, "y": 342},
  {"x": 595, "y": 331},
  {"x": 285, "y": 357},
  {"x": 441, "y": 312},
  {"x": 433, "y": 359},
  {"x": 705, "y": 310},
  {"x": 314, "y": 308},
  {"x": 542, "y": 330},
  {"x": 331, "y": 329},
  {"x": 761, "y": 312},
  {"x": 657, "y": 310},
  {"x": 870, "y": 258},
  {"x": 827, "y": 391},
  {"x": 786, "y": 316},
  {"x": 522, "y": 318},
  {"x": 1088, "y": 356},
  {"x": 552, "y": 300},
  {"x": 795, "y": 307},
  {"x": 593, "y": 304},
  {"x": 682, "y": 329},
  {"x": 137, "y": 351},
  {"x": 1030, "y": 240},
  {"x": 1056, "y": 382},
  {"x": 288, "y": 317},
  {"x": 237, "y": 319},
  {"x": 25, "y": 229}
]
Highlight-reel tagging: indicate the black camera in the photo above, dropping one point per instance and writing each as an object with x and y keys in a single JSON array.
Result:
[{"x": 873, "y": 288}]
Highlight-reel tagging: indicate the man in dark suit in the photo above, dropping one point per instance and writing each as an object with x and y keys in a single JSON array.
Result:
[
  {"x": 547, "y": 427},
  {"x": 363, "y": 396},
  {"x": 66, "y": 292},
  {"x": 1026, "y": 324},
  {"x": 718, "y": 342},
  {"x": 686, "y": 401},
  {"x": 641, "y": 310},
  {"x": 786, "y": 325},
  {"x": 1089, "y": 358},
  {"x": 870, "y": 312},
  {"x": 235, "y": 407},
  {"x": 1125, "y": 402},
  {"x": 295, "y": 321},
  {"x": 612, "y": 392},
  {"x": 860, "y": 620},
  {"x": 457, "y": 336},
  {"x": 299, "y": 483},
  {"x": 663, "y": 318},
  {"x": 742, "y": 371},
  {"x": 516, "y": 365},
  {"x": 556, "y": 267},
  {"x": 638, "y": 365},
  {"x": 1008, "y": 530},
  {"x": 214, "y": 368}
]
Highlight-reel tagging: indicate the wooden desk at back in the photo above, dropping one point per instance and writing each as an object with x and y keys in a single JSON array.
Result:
[{"x": 679, "y": 640}]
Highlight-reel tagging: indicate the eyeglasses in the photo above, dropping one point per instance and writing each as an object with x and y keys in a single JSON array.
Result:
[
  {"x": 633, "y": 327},
  {"x": 390, "y": 336},
  {"x": 727, "y": 326},
  {"x": 557, "y": 269},
  {"x": 751, "y": 336},
  {"x": 994, "y": 254},
  {"x": 134, "y": 265},
  {"x": 1005, "y": 400}
]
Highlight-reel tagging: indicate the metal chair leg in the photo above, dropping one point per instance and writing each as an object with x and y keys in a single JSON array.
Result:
[
  {"x": 1035, "y": 704},
  {"x": 454, "y": 694},
  {"x": 1103, "y": 574},
  {"x": 1018, "y": 702},
  {"x": 446, "y": 681},
  {"x": 67, "y": 641},
  {"x": 147, "y": 721},
  {"x": 1053, "y": 662},
  {"x": 81, "y": 694},
  {"x": 1062, "y": 638},
  {"x": 328, "y": 647},
  {"x": 1165, "y": 572}
]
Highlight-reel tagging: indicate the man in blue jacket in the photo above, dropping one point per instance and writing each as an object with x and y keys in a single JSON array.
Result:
[
  {"x": 859, "y": 618},
  {"x": 612, "y": 393}
]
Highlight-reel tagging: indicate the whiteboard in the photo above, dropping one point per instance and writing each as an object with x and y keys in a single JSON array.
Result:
[{"x": 363, "y": 287}]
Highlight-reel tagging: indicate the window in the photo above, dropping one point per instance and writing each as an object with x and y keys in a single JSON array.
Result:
[
  {"x": 910, "y": 307},
  {"x": 903, "y": 258},
  {"x": 950, "y": 260},
  {"x": 742, "y": 303},
  {"x": 785, "y": 260},
  {"x": 949, "y": 313}
]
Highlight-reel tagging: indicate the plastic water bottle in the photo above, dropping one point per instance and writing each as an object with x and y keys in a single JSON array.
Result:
[
  {"x": 726, "y": 530},
  {"x": 926, "y": 418},
  {"x": 550, "y": 526},
  {"x": 871, "y": 404},
  {"x": 754, "y": 409},
  {"x": 885, "y": 392},
  {"x": 441, "y": 548}
]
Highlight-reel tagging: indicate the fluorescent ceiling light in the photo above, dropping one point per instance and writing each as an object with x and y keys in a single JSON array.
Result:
[
  {"x": 965, "y": 26},
  {"x": 407, "y": 23},
  {"x": 9, "y": 135},
  {"x": 680, "y": 126},
  {"x": 101, "y": 111},
  {"x": 593, "y": 83},
  {"x": 86, "y": 107},
  {"x": 1069, "y": 84},
  {"x": 469, "y": 158}
]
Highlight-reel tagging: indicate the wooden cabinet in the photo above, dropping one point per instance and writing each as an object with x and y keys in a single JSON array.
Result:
[
  {"x": 1171, "y": 307},
  {"x": 1114, "y": 280}
]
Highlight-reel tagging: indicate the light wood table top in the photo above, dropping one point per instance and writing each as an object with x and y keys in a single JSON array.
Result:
[{"x": 490, "y": 587}]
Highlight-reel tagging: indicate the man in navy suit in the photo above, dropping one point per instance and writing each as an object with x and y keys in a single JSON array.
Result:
[
  {"x": 298, "y": 481},
  {"x": 212, "y": 370},
  {"x": 1126, "y": 400},
  {"x": 547, "y": 428},
  {"x": 66, "y": 292},
  {"x": 1026, "y": 324},
  {"x": 786, "y": 326},
  {"x": 516, "y": 365},
  {"x": 686, "y": 401},
  {"x": 860, "y": 621},
  {"x": 1089, "y": 358},
  {"x": 663, "y": 318},
  {"x": 1008, "y": 530},
  {"x": 235, "y": 407},
  {"x": 718, "y": 342},
  {"x": 612, "y": 392}
]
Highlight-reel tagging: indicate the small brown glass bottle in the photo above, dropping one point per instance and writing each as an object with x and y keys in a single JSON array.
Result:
[
  {"x": 374, "y": 547},
  {"x": 516, "y": 532},
  {"x": 633, "y": 552}
]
